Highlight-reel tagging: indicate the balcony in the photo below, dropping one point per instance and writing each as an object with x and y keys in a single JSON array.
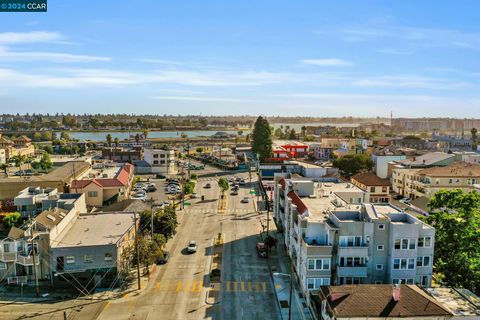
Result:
[
  {"x": 360, "y": 271},
  {"x": 27, "y": 260},
  {"x": 357, "y": 251},
  {"x": 8, "y": 256},
  {"x": 312, "y": 247},
  {"x": 17, "y": 280}
]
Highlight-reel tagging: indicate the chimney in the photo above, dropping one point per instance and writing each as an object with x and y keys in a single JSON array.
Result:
[{"x": 396, "y": 292}]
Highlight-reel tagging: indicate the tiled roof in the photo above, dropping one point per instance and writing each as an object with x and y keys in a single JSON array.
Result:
[
  {"x": 301, "y": 207},
  {"x": 377, "y": 301},
  {"x": 456, "y": 169},
  {"x": 22, "y": 138},
  {"x": 4, "y": 140},
  {"x": 121, "y": 179},
  {"x": 370, "y": 179}
]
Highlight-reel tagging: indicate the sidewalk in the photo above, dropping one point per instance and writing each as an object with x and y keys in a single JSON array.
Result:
[{"x": 280, "y": 269}]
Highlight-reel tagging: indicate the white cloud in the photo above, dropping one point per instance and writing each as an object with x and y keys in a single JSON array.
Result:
[
  {"x": 410, "y": 81},
  {"x": 29, "y": 37},
  {"x": 330, "y": 62},
  {"x": 199, "y": 99},
  {"x": 7, "y": 55}
]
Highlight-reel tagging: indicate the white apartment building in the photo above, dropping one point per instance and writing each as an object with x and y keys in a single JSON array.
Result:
[
  {"x": 160, "y": 160},
  {"x": 334, "y": 238}
]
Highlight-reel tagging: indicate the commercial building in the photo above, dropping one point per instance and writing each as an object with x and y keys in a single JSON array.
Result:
[
  {"x": 18, "y": 146},
  {"x": 94, "y": 250},
  {"x": 43, "y": 230},
  {"x": 335, "y": 238},
  {"x": 122, "y": 154},
  {"x": 416, "y": 183},
  {"x": 105, "y": 185},
  {"x": 378, "y": 190},
  {"x": 160, "y": 160}
]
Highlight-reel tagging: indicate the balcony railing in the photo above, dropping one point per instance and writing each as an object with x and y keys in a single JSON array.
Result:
[
  {"x": 8, "y": 256},
  {"x": 357, "y": 271},
  {"x": 357, "y": 251},
  {"x": 27, "y": 260},
  {"x": 17, "y": 280}
]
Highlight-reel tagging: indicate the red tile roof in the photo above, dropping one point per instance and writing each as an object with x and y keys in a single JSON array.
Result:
[
  {"x": 121, "y": 179},
  {"x": 301, "y": 207},
  {"x": 370, "y": 179}
]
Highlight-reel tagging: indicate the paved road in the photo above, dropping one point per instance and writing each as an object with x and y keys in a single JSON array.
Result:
[{"x": 178, "y": 289}]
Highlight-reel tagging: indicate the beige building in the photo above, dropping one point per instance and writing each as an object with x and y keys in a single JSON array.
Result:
[
  {"x": 415, "y": 183},
  {"x": 378, "y": 190},
  {"x": 19, "y": 146}
]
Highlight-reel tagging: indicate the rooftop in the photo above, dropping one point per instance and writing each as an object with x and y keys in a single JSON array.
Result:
[
  {"x": 461, "y": 302},
  {"x": 331, "y": 197},
  {"x": 370, "y": 179},
  {"x": 377, "y": 301},
  {"x": 96, "y": 229},
  {"x": 427, "y": 159},
  {"x": 456, "y": 169}
]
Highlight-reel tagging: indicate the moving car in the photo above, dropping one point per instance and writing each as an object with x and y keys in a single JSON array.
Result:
[
  {"x": 245, "y": 200},
  {"x": 192, "y": 247},
  {"x": 208, "y": 186}
]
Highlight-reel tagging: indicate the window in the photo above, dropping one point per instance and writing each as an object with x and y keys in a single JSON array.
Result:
[
  {"x": 384, "y": 189},
  {"x": 381, "y": 226},
  {"x": 92, "y": 194},
  {"x": 155, "y": 155},
  {"x": 108, "y": 256},
  {"x": 162, "y": 161},
  {"x": 423, "y": 261},
  {"x": 378, "y": 282},
  {"x": 405, "y": 244},
  {"x": 379, "y": 266},
  {"x": 319, "y": 264},
  {"x": 372, "y": 189},
  {"x": 352, "y": 261},
  {"x": 315, "y": 283},
  {"x": 349, "y": 280},
  {"x": 3, "y": 265},
  {"x": 425, "y": 242},
  {"x": 70, "y": 259},
  {"x": 402, "y": 281},
  {"x": 403, "y": 264},
  {"x": 350, "y": 241},
  {"x": 162, "y": 156},
  {"x": 380, "y": 247},
  {"x": 155, "y": 161},
  {"x": 88, "y": 258},
  {"x": 450, "y": 180}
]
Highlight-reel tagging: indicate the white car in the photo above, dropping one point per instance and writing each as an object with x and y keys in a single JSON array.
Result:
[
  {"x": 245, "y": 200},
  {"x": 140, "y": 195},
  {"x": 192, "y": 247}
]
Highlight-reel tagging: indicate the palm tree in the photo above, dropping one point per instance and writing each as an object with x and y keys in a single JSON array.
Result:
[
  {"x": 304, "y": 131},
  {"x": 137, "y": 138},
  {"x": 116, "y": 141},
  {"x": 145, "y": 134},
  {"x": 109, "y": 140}
]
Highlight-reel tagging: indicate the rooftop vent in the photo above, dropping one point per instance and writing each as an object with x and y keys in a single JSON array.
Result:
[{"x": 50, "y": 217}]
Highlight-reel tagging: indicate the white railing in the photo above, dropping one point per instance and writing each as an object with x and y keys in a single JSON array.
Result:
[{"x": 17, "y": 280}]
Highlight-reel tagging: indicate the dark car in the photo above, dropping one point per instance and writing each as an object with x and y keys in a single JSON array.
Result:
[
  {"x": 151, "y": 188},
  {"x": 166, "y": 256},
  {"x": 160, "y": 176},
  {"x": 397, "y": 197},
  {"x": 208, "y": 186}
]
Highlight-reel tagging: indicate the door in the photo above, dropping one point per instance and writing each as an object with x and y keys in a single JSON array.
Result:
[{"x": 60, "y": 263}]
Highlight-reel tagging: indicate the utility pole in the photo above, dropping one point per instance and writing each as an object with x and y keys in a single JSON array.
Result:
[
  {"x": 138, "y": 251},
  {"x": 37, "y": 293},
  {"x": 291, "y": 289},
  {"x": 151, "y": 213}
]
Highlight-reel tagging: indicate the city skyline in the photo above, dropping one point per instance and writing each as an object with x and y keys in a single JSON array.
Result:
[{"x": 243, "y": 58}]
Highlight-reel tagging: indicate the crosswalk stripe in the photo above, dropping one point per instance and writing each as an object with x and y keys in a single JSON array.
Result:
[{"x": 197, "y": 286}]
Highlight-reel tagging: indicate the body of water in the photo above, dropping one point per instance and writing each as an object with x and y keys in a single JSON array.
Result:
[
  {"x": 298, "y": 126},
  {"x": 102, "y": 136}
]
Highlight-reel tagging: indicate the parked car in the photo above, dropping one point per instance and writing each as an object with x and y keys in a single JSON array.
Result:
[
  {"x": 192, "y": 247},
  {"x": 406, "y": 200},
  {"x": 194, "y": 195},
  {"x": 397, "y": 197},
  {"x": 24, "y": 173},
  {"x": 166, "y": 256},
  {"x": 208, "y": 186},
  {"x": 245, "y": 200},
  {"x": 160, "y": 176},
  {"x": 166, "y": 202},
  {"x": 230, "y": 179},
  {"x": 151, "y": 188},
  {"x": 140, "y": 195},
  {"x": 234, "y": 192},
  {"x": 242, "y": 182}
]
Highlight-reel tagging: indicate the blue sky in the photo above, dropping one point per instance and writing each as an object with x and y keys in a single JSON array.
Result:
[{"x": 308, "y": 58}]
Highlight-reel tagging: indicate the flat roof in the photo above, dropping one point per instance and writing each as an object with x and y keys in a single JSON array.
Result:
[
  {"x": 461, "y": 302},
  {"x": 95, "y": 229},
  {"x": 325, "y": 199}
]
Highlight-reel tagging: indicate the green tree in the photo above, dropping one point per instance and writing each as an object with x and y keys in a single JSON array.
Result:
[
  {"x": 292, "y": 135},
  {"x": 455, "y": 215},
  {"x": 46, "y": 136},
  {"x": 137, "y": 138},
  {"x": 65, "y": 136},
  {"x": 473, "y": 132},
  {"x": 352, "y": 164},
  {"x": 189, "y": 187},
  {"x": 150, "y": 250},
  {"x": 145, "y": 134},
  {"x": 46, "y": 162},
  {"x": 278, "y": 133},
  {"x": 12, "y": 219},
  {"x": 304, "y": 131},
  {"x": 262, "y": 138},
  {"x": 194, "y": 176},
  {"x": 116, "y": 141},
  {"x": 199, "y": 149},
  {"x": 223, "y": 184},
  {"x": 37, "y": 136},
  {"x": 240, "y": 133},
  {"x": 109, "y": 140}
]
